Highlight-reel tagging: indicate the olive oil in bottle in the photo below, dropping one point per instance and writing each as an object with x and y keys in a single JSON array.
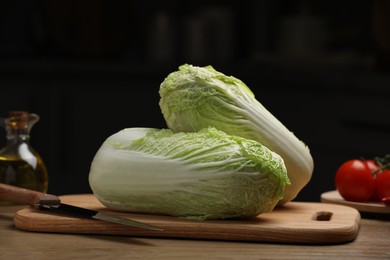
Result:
[{"x": 20, "y": 164}]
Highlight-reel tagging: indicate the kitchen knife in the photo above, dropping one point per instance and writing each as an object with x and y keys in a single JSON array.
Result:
[{"x": 51, "y": 202}]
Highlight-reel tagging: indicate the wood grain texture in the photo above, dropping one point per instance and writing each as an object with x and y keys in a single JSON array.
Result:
[
  {"x": 296, "y": 222},
  {"x": 371, "y": 207}
]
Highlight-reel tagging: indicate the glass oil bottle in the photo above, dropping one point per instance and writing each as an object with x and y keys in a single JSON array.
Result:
[{"x": 20, "y": 164}]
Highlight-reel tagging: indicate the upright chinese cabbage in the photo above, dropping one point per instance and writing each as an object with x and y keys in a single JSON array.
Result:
[
  {"x": 200, "y": 175},
  {"x": 194, "y": 97}
]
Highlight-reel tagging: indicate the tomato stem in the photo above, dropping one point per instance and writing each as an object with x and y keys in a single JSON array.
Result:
[{"x": 383, "y": 162}]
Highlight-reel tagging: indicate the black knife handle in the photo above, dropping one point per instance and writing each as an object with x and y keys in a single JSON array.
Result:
[{"x": 25, "y": 196}]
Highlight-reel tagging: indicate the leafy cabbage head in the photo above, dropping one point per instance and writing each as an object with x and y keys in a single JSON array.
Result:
[
  {"x": 193, "y": 98},
  {"x": 199, "y": 175}
]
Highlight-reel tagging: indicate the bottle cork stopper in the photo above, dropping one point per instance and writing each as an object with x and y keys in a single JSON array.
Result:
[{"x": 18, "y": 119}]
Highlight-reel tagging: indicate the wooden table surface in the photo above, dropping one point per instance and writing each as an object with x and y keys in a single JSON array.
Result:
[{"x": 372, "y": 242}]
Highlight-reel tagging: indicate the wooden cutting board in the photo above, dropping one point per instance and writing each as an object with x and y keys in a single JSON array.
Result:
[
  {"x": 295, "y": 222},
  {"x": 370, "y": 207}
]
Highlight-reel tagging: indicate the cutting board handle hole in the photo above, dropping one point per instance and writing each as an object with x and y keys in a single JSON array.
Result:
[{"x": 322, "y": 216}]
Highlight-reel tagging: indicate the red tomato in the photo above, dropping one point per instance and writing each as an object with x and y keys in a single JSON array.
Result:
[
  {"x": 383, "y": 183},
  {"x": 354, "y": 180},
  {"x": 374, "y": 166},
  {"x": 386, "y": 201}
]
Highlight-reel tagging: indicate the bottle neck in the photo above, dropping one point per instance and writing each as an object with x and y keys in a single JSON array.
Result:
[
  {"x": 17, "y": 145},
  {"x": 17, "y": 135},
  {"x": 18, "y": 126}
]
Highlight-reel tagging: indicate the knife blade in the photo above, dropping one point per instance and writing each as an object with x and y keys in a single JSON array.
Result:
[{"x": 53, "y": 203}]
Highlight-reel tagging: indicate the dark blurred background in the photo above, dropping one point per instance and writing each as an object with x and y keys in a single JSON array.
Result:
[{"x": 91, "y": 68}]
